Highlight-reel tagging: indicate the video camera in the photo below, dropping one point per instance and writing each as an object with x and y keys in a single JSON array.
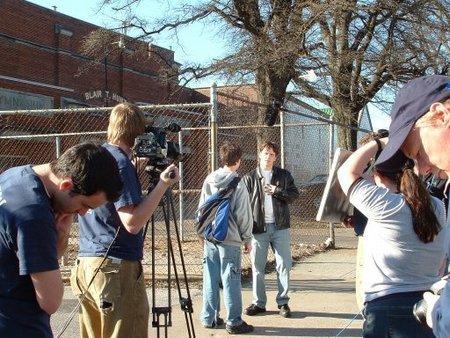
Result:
[
  {"x": 154, "y": 146},
  {"x": 420, "y": 309}
]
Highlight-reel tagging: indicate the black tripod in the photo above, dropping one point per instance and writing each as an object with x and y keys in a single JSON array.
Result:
[{"x": 167, "y": 206}]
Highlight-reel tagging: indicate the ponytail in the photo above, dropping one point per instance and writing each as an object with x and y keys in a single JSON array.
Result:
[{"x": 425, "y": 222}]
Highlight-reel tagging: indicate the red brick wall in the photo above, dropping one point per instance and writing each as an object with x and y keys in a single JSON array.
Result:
[{"x": 31, "y": 50}]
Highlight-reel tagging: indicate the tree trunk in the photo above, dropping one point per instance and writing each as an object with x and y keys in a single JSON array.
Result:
[
  {"x": 271, "y": 93},
  {"x": 347, "y": 137}
]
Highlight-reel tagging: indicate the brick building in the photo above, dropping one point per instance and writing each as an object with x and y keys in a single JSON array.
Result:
[{"x": 41, "y": 65}]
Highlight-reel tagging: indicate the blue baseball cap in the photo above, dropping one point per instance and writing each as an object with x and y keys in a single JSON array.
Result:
[{"x": 411, "y": 103}]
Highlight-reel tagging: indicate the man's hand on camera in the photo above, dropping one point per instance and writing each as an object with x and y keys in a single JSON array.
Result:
[
  {"x": 170, "y": 175},
  {"x": 431, "y": 300}
]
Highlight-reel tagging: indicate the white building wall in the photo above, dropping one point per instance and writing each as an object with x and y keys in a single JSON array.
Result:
[{"x": 307, "y": 142}]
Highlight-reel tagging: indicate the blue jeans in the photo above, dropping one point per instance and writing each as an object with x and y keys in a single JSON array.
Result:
[
  {"x": 221, "y": 263},
  {"x": 280, "y": 242},
  {"x": 392, "y": 317}
]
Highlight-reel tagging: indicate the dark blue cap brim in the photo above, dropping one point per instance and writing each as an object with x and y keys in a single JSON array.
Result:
[
  {"x": 392, "y": 158},
  {"x": 411, "y": 103}
]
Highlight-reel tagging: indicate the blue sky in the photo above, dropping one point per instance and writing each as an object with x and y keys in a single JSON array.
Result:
[{"x": 197, "y": 44}]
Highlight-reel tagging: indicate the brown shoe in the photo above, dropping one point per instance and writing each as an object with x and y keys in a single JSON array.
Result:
[
  {"x": 218, "y": 322},
  {"x": 239, "y": 329},
  {"x": 254, "y": 310},
  {"x": 285, "y": 311}
]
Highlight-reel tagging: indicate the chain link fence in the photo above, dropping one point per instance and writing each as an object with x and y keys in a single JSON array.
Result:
[
  {"x": 304, "y": 151},
  {"x": 38, "y": 136}
]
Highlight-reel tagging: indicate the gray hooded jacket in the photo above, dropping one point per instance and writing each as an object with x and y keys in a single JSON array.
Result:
[{"x": 241, "y": 219}]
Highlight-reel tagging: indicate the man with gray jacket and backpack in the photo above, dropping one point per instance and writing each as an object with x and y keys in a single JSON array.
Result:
[{"x": 222, "y": 259}]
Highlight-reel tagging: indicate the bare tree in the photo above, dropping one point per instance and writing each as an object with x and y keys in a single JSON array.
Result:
[{"x": 356, "y": 48}]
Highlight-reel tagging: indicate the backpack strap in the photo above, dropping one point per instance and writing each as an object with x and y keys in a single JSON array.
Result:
[
  {"x": 234, "y": 182},
  {"x": 229, "y": 189}
]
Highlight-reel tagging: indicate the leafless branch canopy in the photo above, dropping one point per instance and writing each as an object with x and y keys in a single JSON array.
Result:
[{"x": 356, "y": 47}]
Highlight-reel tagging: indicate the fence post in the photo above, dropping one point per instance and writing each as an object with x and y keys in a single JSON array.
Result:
[
  {"x": 58, "y": 154},
  {"x": 58, "y": 146},
  {"x": 330, "y": 161},
  {"x": 282, "y": 139},
  {"x": 213, "y": 129},
  {"x": 181, "y": 186}
]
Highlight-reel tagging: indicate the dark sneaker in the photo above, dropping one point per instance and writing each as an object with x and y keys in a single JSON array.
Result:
[
  {"x": 254, "y": 310},
  {"x": 285, "y": 311},
  {"x": 218, "y": 322},
  {"x": 241, "y": 328}
]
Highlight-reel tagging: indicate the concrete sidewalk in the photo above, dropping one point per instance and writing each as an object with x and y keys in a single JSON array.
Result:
[{"x": 322, "y": 301}]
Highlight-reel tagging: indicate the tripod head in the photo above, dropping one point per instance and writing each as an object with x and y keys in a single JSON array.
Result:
[{"x": 154, "y": 168}]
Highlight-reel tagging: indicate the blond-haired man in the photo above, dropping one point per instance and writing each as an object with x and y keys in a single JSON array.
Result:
[{"x": 109, "y": 271}]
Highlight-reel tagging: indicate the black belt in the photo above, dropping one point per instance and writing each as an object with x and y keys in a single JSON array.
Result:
[{"x": 399, "y": 295}]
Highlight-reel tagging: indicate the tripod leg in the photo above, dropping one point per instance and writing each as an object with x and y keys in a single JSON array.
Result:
[{"x": 186, "y": 303}]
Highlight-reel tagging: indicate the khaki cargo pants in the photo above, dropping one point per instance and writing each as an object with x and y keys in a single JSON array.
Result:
[{"x": 115, "y": 305}]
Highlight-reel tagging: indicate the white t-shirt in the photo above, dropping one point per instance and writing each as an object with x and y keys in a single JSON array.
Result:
[
  {"x": 395, "y": 259},
  {"x": 269, "y": 217}
]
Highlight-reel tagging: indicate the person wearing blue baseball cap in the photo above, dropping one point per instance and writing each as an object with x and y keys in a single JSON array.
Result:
[
  {"x": 420, "y": 130},
  {"x": 419, "y": 126}
]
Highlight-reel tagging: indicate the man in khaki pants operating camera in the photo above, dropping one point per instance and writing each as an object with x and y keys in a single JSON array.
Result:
[{"x": 108, "y": 272}]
